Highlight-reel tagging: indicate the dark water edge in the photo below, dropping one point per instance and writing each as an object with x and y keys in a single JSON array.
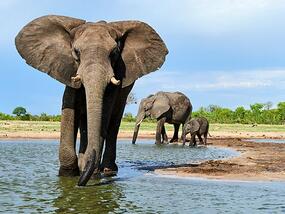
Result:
[
  {"x": 265, "y": 140},
  {"x": 29, "y": 183}
]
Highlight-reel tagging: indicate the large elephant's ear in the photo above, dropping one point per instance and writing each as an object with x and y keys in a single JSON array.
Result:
[
  {"x": 45, "y": 44},
  {"x": 160, "y": 106},
  {"x": 143, "y": 51}
]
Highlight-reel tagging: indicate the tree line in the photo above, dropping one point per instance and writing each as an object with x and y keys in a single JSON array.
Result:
[
  {"x": 258, "y": 113},
  {"x": 20, "y": 113}
]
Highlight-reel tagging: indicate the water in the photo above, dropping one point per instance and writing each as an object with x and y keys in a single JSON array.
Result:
[
  {"x": 262, "y": 140},
  {"x": 29, "y": 184}
]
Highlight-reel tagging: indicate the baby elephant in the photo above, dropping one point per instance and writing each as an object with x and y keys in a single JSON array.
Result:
[{"x": 196, "y": 126}]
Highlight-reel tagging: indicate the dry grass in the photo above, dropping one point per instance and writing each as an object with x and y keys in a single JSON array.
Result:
[{"x": 46, "y": 126}]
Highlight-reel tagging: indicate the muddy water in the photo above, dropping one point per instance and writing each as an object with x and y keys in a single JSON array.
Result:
[{"x": 29, "y": 183}]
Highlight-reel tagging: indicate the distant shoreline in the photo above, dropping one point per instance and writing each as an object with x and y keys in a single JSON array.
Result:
[{"x": 142, "y": 134}]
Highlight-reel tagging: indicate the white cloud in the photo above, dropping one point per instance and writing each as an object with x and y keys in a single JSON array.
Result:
[{"x": 213, "y": 80}]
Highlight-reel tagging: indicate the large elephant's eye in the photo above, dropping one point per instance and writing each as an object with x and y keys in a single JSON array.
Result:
[
  {"x": 76, "y": 54},
  {"x": 114, "y": 56}
]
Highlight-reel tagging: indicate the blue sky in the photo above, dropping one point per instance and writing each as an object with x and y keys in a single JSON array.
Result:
[{"x": 225, "y": 52}]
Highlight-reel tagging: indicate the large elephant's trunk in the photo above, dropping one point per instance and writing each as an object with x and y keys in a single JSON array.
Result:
[
  {"x": 92, "y": 156},
  {"x": 95, "y": 79}
]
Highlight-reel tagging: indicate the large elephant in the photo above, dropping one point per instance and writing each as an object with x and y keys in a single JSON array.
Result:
[
  {"x": 196, "y": 126},
  {"x": 98, "y": 63},
  {"x": 171, "y": 107}
]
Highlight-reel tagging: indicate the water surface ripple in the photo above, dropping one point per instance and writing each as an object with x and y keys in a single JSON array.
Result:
[{"x": 29, "y": 183}]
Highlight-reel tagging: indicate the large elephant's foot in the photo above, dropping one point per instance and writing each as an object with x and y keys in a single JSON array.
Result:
[
  {"x": 110, "y": 170},
  {"x": 158, "y": 142},
  {"x": 70, "y": 171},
  {"x": 107, "y": 172},
  {"x": 68, "y": 165},
  {"x": 174, "y": 140}
]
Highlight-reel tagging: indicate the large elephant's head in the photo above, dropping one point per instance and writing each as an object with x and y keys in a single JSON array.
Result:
[
  {"x": 77, "y": 52},
  {"x": 153, "y": 106}
]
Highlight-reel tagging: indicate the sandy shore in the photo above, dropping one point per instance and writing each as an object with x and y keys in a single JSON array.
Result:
[
  {"x": 142, "y": 134},
  {"x": 258, "y": 161}
]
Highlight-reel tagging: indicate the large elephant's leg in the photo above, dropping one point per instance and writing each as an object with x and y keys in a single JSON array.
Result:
[
  {"x": 109, "y": 165},
  {"x": 175, "y": 134},
  {"x": 182, "y": 133},
  {"x": 68, "y": 133},
  {"x": 160, "y": 124},
  {"x": 164, "y": 135},
  {"x": 109, "y": 158},
  {"x": 83, "y": 139}
]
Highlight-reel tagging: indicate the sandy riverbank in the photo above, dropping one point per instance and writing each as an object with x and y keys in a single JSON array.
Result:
[
  {"x": 142, "y": 134},
  {"x": 258, "y": 162}
]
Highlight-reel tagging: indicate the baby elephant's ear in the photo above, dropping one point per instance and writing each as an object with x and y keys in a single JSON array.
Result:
[
  {"x": 143, "y": 50},
  {"x": 45, "y": 44},
  {"x": 194, "y": 125}
]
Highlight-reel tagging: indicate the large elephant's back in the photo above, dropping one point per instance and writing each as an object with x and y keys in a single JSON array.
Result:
[{"x": 181, "y": 107}]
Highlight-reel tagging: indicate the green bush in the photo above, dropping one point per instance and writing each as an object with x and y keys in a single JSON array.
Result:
[{"x": 128, "y": 117}]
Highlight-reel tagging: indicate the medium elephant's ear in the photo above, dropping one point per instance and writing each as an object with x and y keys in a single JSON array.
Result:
[
  {"x": 45, "y": 44},
  {"x": 143, "y": 51},
  {"x": 160, "y": 106}
]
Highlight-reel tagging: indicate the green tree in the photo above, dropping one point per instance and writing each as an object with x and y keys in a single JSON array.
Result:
[
  {"x": 281, "y": 112},
  {"x": 128, "y": 117},
  {"x": 19, "y": 111},
  {"x": 44, "y": 117},
  {"x": 256, "y": 110},
  {"x": 212, "y": 108},
  {"x": 268, "y": 105},
  {"x": 239, "y": 114}
]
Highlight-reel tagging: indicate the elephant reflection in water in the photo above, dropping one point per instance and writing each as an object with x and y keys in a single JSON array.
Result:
[
  {"x": 100, "y": 62},
  {"x": 166, "y": 107},
  {"x": 105, "y": 198}
]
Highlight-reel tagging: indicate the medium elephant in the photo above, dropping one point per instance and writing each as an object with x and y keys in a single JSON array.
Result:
[
  {"x": 99, "y": 63},
  {"x": 196, "y": 126},
  {"x": 170, "y": 107}
]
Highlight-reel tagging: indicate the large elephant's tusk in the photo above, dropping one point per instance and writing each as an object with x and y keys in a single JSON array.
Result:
[
  {"x": 115, "y": 81},
  {"x": 77, "y": 78}
]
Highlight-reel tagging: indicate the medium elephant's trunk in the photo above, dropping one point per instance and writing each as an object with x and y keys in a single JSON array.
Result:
[
  {"x": 135, "y": 135},
  {"x": 140, "y": 117}
]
